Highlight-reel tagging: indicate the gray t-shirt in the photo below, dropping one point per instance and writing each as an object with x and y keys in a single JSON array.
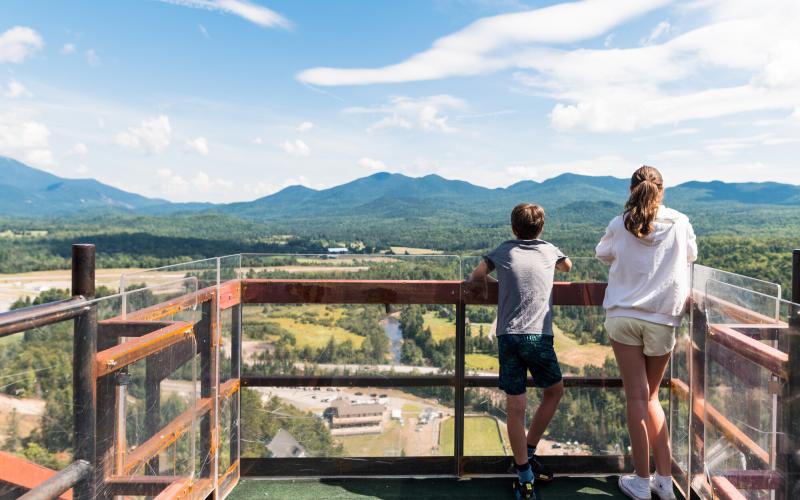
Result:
[{"x": 525, "y": 271}]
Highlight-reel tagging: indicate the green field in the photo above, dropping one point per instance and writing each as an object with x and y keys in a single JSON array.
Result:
[
  {"x": 481, "y": 437},
  {"x": 388, "y": 442},
  {"x": 483, "y": 362},
  {"x": 317, "y": 336},
  {"x": 441, "y": 328}
]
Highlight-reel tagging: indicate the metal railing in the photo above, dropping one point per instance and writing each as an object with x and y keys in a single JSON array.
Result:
[{"x": 99, "y": 359}]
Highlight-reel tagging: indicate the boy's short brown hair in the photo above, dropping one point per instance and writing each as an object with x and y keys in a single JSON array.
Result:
[{"x": 527, "y": 221}]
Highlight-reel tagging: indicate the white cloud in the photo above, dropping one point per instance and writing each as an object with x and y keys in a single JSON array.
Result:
[
  {"x": 19, "y": 43},
  {"x": 172, "y": 185},
  {"x": 492, "y": 43},
  {"x": 16, "y": 90},
  {"x": 257, "y": 140},
  {"x": 204, "y": 31},
  {"x": 661, "y": 30},
  {"x": 296, "y": 148},
  {"x": 92, "y": 58},
  {"x": 729, "y": 146},
  {"x": 68, "y": 48},
  {"x": 79, "y": 149},
  {"x": 426, "y": 113},
  {"x": 152, "y": 135},
  {"x": 720, "y": 72},
  {"x": 609, "y": 41},
  {"x": 17, "y": 132},
  {"x": 254, "y": 13},
  {"x": 39, "y": 157},
  {"x": 372, "y": 164},
  {"x": 25, "y": 138},
  {"x": 199, "y": 144},
  {"x": 82, "y": 169},
  {"x": 630, "y": 89},
  {"x": 305, "y": 127}
]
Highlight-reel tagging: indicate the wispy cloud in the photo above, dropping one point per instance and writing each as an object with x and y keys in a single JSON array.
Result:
[
  {"x": 18, "y": 44},
  {"x": 492, "y": 43},
  {"x": 203, "y": 31},
  {"x": 257, "y": 14},
  {"x": 305, "y": 127},
  {"x": 425, "y": 113},
  {"x": 152, "y": 135},
  {"x": 296, "y": 148},
  {"x": 16, "y": 90},
  {"x": 371, "y": 164},
  {"x": 68, "y": 48},
  {"x": 92, "y": 58},
  {"x": 199, "y": 145}
]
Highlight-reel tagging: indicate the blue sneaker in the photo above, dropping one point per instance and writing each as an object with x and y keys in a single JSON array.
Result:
[{"x": 525, "y": 491}]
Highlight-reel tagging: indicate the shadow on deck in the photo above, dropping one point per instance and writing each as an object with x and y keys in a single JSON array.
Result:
[{"x": 419, "y": 489}]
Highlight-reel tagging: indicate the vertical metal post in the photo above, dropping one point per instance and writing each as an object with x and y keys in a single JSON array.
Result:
[
  {"x": 83, "y": 370},
  {"x": 792, "y": 399},
  {"x": 204, "y": 336},
  {"x": 236, "y": 373},
  {"x": 152, "y": 415},
  {"x": 461, "y": 338}
]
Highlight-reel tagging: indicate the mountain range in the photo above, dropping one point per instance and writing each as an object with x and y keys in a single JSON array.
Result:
[{"x": 29, "y": 192}]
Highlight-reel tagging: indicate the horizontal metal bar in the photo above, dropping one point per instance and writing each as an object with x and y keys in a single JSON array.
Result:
[
  {"x": 230, "y": 294},
  {"x": 179, "y": 489},
  {"x": 122, "y": 355},
  {"x": 759, "y": 353},
  {"x": 424, "y": 466},
  {"x": 166, "y": 436},
  {"x": 563, "y": 464},
  {"x": 229, "y": 388},
  {"x": 139, "y": 485},
  {"x": 119, "y": 328},
  {"x": 262, "y": 291},
  {"x": 725, "y": 490},
  {"x": 259, "y": 291},
  {"x": 40, "y": 315},
  {"x": 61, "y": 482},
  {"x": 569, "y": 381},
  {"x": 173, "y": 306},
  {"x": 348, "y": 381},
  {"x": 412, "y": 381},
  {"x": 564, "y": 293},
  {"x": 347, "y": 466}
]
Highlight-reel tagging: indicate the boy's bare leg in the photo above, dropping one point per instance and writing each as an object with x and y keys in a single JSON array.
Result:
[
  {"x": 551, "y": 396},
  {"x": 515, "y": 409}
]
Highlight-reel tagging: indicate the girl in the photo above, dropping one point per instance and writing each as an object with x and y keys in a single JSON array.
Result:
[{"x": 650, "y": 249}]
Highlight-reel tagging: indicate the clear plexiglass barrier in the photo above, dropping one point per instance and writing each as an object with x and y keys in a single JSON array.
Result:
[{"x": 206, "y": 365}]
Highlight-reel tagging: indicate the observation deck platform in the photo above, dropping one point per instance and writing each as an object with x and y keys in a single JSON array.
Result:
[
  {"x": 565, "y": 487},
  {"x": 181, "y": 382}
]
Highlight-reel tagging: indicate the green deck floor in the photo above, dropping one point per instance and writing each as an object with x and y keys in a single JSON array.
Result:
[{"x": 420, "y": 489}]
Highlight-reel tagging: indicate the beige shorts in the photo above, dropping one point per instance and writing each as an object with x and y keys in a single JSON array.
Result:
[{"x": 657, "y": 339}]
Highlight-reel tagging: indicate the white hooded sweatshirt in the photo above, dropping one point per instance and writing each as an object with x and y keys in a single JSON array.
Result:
[{"x": 649, "y": 278}]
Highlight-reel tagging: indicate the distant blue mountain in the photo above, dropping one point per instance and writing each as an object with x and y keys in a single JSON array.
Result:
[{"x": 26, "y": 191}]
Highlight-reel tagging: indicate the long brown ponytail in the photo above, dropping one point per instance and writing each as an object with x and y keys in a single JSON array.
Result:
[{"x": 642, "y": 206}]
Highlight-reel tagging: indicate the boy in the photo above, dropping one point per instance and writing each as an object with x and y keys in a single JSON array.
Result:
[{"x": 525, "y": 268}]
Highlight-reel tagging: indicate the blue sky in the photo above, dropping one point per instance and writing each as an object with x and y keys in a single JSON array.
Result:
[{"x": 223, "y": 100}]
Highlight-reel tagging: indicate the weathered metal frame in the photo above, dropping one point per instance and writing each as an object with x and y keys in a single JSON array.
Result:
[{"x": 98, "y": 355}]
